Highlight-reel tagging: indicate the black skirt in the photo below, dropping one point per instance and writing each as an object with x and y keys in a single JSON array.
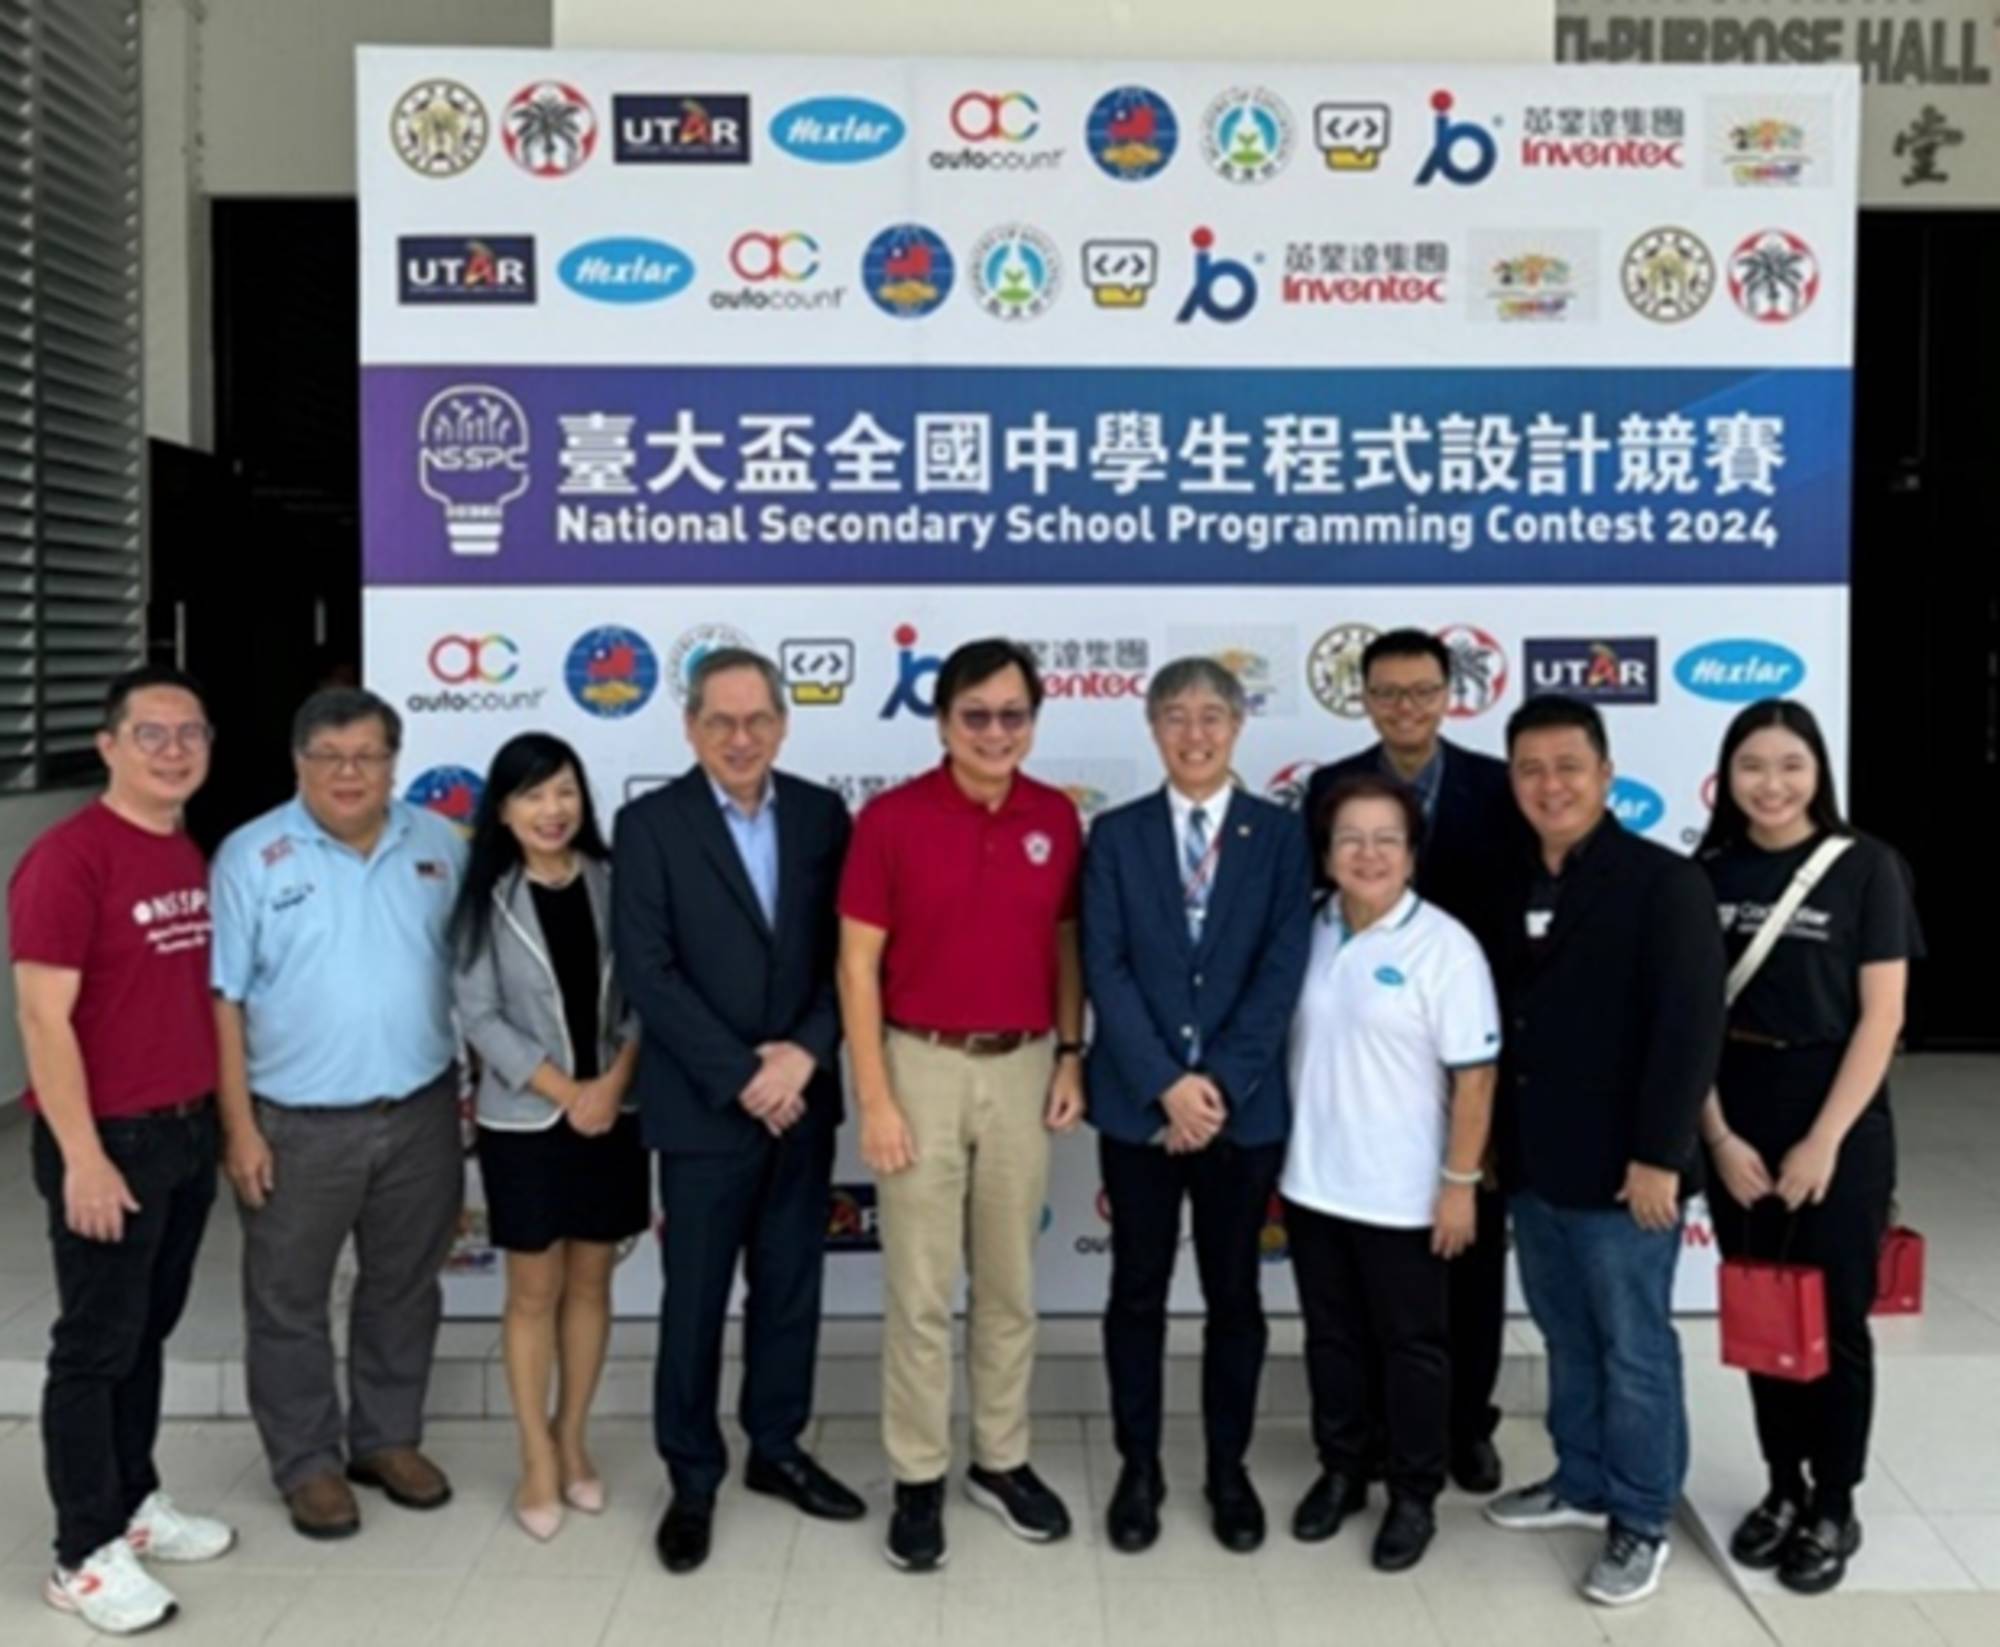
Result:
[{"x": 557, "y": 1185}]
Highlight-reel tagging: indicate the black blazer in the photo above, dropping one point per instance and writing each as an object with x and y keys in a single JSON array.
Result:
[
  {"x": 1475, "y": 843},
  {"x": 1613, "y": 1032},
  {"x": 708, "y": 976}
]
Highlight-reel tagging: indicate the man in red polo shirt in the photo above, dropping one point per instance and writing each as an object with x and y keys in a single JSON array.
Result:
[{"x": 962, "y": 996}]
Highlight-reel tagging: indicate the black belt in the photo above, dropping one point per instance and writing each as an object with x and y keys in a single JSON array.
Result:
[
  {"x": 1750, "y": 1038},
  {"x": 171, "y": 1112}
]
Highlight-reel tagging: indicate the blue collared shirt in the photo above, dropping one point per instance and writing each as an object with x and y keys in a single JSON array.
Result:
[
  {"x": 756, "y": 839},
  {"x": 339, "y": 962},
  {"x": 1426, "y": 783}
]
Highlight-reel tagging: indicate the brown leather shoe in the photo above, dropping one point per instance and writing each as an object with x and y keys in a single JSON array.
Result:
[
  {"x": 409, "y": 1478},
  {"x": 324, "y": 1507}
]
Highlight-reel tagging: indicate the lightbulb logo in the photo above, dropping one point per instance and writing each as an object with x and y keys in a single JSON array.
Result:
[{"x": 472, "y": 456}]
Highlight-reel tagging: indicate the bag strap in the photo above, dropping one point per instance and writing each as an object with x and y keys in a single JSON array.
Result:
[{"x": 1825, "y": 856}]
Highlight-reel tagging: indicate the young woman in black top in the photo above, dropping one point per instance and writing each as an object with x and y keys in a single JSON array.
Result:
[{"x": 1798, "y": 1127}]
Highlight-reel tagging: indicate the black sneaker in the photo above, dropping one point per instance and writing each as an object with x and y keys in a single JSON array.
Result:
[
  {"x": 1022, "y": 1500},
  {"x": 916, "y": 1530}
]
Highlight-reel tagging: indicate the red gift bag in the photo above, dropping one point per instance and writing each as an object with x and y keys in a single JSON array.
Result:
[
  {"x": 1899, "y": 1284},
  {"x": 1774, "y": 1319}
]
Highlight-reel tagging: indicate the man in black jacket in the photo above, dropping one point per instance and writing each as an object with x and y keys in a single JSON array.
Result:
[
  {"x": 1474, "y": 840},
  {"x": 1611, "y": 984},
  {"x": 726, "y": 933}
]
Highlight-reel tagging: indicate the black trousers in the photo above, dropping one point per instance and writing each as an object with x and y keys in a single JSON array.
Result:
[
  {"x": 767, "y": 1206},
  {"x": 1378, "y": 1354},
  {"x": 1476, "y": 1281},
  {"x": 117, "y": 1302},
  {"x": 1770, "y": 1097},
  {"x": 1230, "y": 1189}
]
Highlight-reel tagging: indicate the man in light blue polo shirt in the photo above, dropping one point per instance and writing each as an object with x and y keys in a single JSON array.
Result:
[{"x": 339, "y": 1106}]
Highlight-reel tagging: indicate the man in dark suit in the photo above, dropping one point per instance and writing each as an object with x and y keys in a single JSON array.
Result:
[
  {"x": 726, "y": 934},
  {"x": 1474, "y": 840},
  {"x": 1196, "y": 923},
  {"x": 1611, "y": 982}
]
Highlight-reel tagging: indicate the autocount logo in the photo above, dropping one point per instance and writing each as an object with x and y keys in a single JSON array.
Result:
[
  {"x": 1364, "y": 273},
  {"x": 916, "y": 678},
  {"x": 995, "y": 130},
  {"x": 1773, "y": 276},
  {"x": 1478, "y": 670},
  {"x": 780, "y": 274},
  {"x": 1120, "y": 273},
  {"x": 680, "y": 129},
  {"x": 1246, "y": 134},
  {"x": 549, "y": 128},
  {"x": 452, "y": 792},
  {"x": 1224, "y": 289},
  {"x": 438, "y": 127},
  {"x": 853, "y": 1223},
  {"x": 611, "y": 672},
  {"x": 1621, "y": 671},
  {"x": 1352, "y": 136},
  {"x": 1016, "y": 272},
  {"x": 1333, "y": 669},
  {"x": 627, "y": 269},
  {"x": 1462, "y": 151},
  {"x": 1604, "y": 139},
  {"x": 496, "y": 268},
  {"x": 1131, "y": 133},
  {"x": 1638, "y": 806},
  {"x": 472, "y": 458},
  {"x": 817, "y": 672},
  {"x": 907, "y": 271},
  {"x": 837, "y": 131},
  {"x": 1668, "y": 274},
  {"x": 1740, "y": 671},
  {"x": 474, "y": 673}
]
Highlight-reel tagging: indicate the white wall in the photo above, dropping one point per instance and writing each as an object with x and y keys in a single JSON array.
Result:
[{"x": 22, "y": 818}]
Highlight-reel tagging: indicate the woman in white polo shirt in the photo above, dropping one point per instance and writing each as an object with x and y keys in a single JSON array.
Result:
[{"x": 1392, "y": 1067}]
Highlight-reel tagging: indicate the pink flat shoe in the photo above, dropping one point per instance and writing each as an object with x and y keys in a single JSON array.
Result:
[
  {"x": 586, "y": 1495},
  {"x": 541, "y": 1522}
]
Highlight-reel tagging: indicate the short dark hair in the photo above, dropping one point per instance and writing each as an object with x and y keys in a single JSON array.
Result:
[
  {"x": 1406, "y": 643},
  {"x": 720, "y": 662},
  {"x": 333, "y": 707},
  {"x": 981, "y": 660},
  {"x": 118, "y": 695},
  {"x": 1363, "y": 786},
  {"x": 1550, "y": 711}
]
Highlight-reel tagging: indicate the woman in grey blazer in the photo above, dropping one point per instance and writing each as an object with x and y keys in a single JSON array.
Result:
[{"x": 559, "y": 1148}]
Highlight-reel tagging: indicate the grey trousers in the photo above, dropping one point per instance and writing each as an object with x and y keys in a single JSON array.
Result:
[{"x": 392, "y": 1175}]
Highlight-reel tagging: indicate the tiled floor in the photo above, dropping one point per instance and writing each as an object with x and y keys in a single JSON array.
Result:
[{"x": 466, "y": 1575}]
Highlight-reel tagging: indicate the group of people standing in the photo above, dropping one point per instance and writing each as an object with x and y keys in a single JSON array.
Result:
[{"x": 1462, "y": 989}]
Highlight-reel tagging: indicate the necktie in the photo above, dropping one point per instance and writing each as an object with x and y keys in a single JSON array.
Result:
[{"x": 1194, "y": 869}]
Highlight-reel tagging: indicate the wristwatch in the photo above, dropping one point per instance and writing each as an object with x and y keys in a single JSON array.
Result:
[{"x": 1069, "y": 1049}]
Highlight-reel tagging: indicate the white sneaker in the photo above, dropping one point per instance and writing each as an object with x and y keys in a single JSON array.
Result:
[
  {"x": 111, "y": 1592},
  {"x": 160, "y": 1532}
]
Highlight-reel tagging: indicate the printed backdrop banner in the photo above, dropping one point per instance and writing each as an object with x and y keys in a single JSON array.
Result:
[{"x": 855, "y": 359}]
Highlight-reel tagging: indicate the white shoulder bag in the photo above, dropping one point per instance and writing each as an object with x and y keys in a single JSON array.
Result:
[{"x": 1810, "y": 874}]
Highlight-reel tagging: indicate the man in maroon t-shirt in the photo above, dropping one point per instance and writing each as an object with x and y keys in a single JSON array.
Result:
[
  {"x": 109, "y": 930},
  {"x": 962, "y": 995}
]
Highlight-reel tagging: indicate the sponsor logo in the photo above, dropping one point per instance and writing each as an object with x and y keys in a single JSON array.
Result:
[
  {"x": 1262, "y": 657},
  {"x": 472, "y": 670},
  {"x": 1093, "y": 785},
  {"x": 1534, "y": 286},
  {"x": 995, "y": 128},
  {"x": 1246, "y": 134},
  {"x": 857, "y": 789},
  {"x": 1767, "y": 142},
  {"x": 1037, "y": 847},
  {"x": 1352, "y": 136},
  {"x": 1224, "y": 289},
  {"x": 452, "y": 792},
  {"x": 1638, "y": 806},
  {"x": 1462, "y": 151},
  {"x": 496, "y": 268},
  {"x": 1765, "y": 153},
  {"x": 1598, "y": 671},
  {"x": 1773, "y": 276},
  {"x": 1096, "y": 668},
  {"x": 837, "y": 131},
  {"x": 817, "y": 671},
  {"x": 1016, "y": 272},
  {"x": 1120, "y": 273},
  {"x": 696, "y": 644},
  {"x": 627, "y": 269},
  {"x": 1391, "y": 977},
  {"x": 1289, "y": 784},
  {"x": 1604, "y": 139},
  {"x": 907, "y": 271},
  {"x": 1346, "y": 274},
  {"x": 611, "y": 672},
  {"x": 1667, "y": 274},
  {"x": 680, "y": 129},
  {"x": 472, "y": 458},
  {"x": 1333, "y": 669},
  {"x": 1131, "y": 133},
  {"x": 438, "y": 127},
  {"x": 1740, "y": 671},
  {"x": 913, "y": 669},
  {"x": 852, "y": 1222},
  {"x": 549, "y": 128},
  {"x": 1478, "y": 671},
  {"x": 779, "y": 271}
]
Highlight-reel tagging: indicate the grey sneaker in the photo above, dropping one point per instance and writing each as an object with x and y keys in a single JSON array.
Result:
[
  {"x": 1537, "y": 1508},
  {"x": 1628, "y": 1570}
]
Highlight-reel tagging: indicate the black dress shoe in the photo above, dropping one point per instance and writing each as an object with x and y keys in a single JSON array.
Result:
[
  {"x": 684, "y": 1535},
  {"x": 1328, "y": 1503},
  {"x": 804, "y": 1484},
  {"x": 1238, "y": 1513},
  {"x": 1406, "y": 1532},
  {"x": 1133, "y": 1520},
  {"x": 1759, "y": 1539},
  {"x": 1816, "y": 1555},
  {"x": 1476, "y": 1468}
]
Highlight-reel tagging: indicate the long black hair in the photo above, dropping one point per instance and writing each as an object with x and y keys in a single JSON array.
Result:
[
  {"x": 522, "y": 763},
  {"x": 1728, "y": 824}
]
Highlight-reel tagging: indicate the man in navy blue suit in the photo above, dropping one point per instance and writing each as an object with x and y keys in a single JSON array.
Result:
[
  {"x": 1475, "y": 837},
  {"x": 1196, "y": 914}
]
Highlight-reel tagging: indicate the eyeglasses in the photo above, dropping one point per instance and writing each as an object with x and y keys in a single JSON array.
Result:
[
  {"x": 759, "y": 725},
  {"x": 156, "y": 738},
  {"x": 367, "y": 763},
  {"x": 1387, "y": 840},
  {"x": 982, "y": 720},
  {"x": 1420, "y": 697},
  {"x": 1212, "y": 721}
]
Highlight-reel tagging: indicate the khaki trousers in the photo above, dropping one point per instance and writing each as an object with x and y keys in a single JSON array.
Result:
[{"x": 977, "y": 1191}]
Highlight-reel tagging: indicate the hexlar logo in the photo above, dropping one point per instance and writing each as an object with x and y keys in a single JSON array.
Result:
[
  {"x": 1740, "y": 671},
  {"x": 1450, "y": 139},
  {"x": 472, "y": 457},
  {"x": 452, "y": 792},
  {"x": 837, "y": 131},
  {"x": 913, "y": 668},
  {"x": 1213, "y": 276},
  {"x": 1638, "y": 806}
]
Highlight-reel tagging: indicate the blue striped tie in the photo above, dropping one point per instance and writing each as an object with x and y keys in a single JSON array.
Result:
[{"x": 1195, "y": 870}]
